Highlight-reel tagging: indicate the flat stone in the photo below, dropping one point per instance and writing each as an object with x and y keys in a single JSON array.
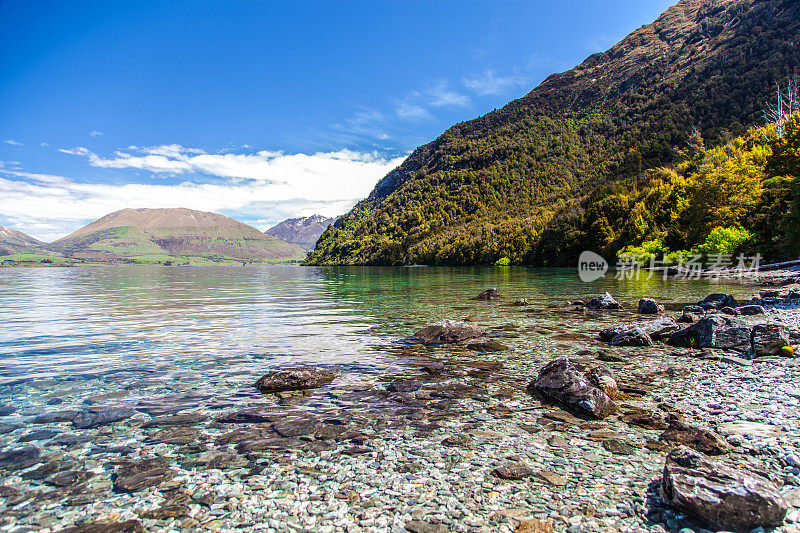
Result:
[
  {"x": 459, "y": 439},
  {"x": 552, "y": 478},
  {"x": 420, "y": 526},
  {"x": 513, "y": 471},
  {"x": 487, "y": 347},
  {"x": 702, "y": 440},
  {"x": 175, "y": 435},
  {"x": 446, "y": 332},
  {"x": 52, "y": 417},
  {"x": 19, "y": 458},
  {"x": 128, "y": 526},
  {"x": 101, "y": 416},
  {"x": 138, "y": 475},
  {"x": 619, "y": 447},
  {"x": 294, "y": 379},
  {"x": 295, "y": 427},
  {"x": 187, "y": 419},
  {"x": 42, "y": 434}
]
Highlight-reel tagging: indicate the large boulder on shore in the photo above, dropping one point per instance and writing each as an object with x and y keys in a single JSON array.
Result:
[
  {"x": 718, "y": 301},
  {"x": 488, "y": 294},
  {"x": 714, "y": 331},
  {"x": 604, "y": 301},
  {"x": 447, "y": 331},
  {"x": 648, "y": 306},
  {"x": 560, "y": 381},
  {"x": 294, "y": 379},
  {"x": 719, "y": 495},
  {"x": 769, "y": 339}
]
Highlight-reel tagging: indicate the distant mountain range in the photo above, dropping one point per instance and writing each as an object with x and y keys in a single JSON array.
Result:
[
  {"x": 150, "y": 236},
  {"x": 304, "y": 231},
  {"x": 547, "y": 176}
]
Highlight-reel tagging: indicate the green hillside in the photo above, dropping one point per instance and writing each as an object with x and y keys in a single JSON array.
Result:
[{"x": 533, "y": 181}]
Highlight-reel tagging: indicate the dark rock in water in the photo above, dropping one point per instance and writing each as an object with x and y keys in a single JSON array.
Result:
[
  {"x": 6, "y": 410},
  {"x": 691, "y": 314},
  {"x": 459, "y": 439},
  {"x": 100, "y": 416},
  {"x": 702, "y": 440},
  {"x": 128, "y": 526},
  {"x": 407, "y": 385},
  {"x": 647, "y": 420},
  {"x": 19, "y": 458},
  {"x": 648, "y": 306},
  {"x": 722, "y": 332},
  {"x": 330, "y": 431},
  {"x": 632, "y": 337},
  {"x": 42, "y": 434},
  {"x": 487, "y": 347},
  {"x": 619, "y": 447},
  {"x": 656, "y": 329},
  {"x": 604, "y": 301},
  {"x": 295, "y": 427},
  {"x": 420, "y": 526},
  {"x": 768, "y": 339},
  {"x": 728, "y": 311},
  {"x": 188, "y": 419},
  {"x": 720, "y": 495},
  {"x": 253, "y": 415},
  {"x": 70, "y": 439},
  {"x": 513, "y": 471},
  {"x": 175, "y": 435},
  {"x": 68, "y": 478},
  {"x": 489, "y": 294},
  {"x": 447, "y": 331},
  {"x": 165, "y": 512},
  {"x": 294, "y": 379},
  {"x": 138, "y": 475},
  {"x": 55, "y": 416},
  {"x": 522, "y": 302},
  {"x": 559, "y": 380},
  {"x": 718, "y": 301},
  {"x": 750, "y": 310}
]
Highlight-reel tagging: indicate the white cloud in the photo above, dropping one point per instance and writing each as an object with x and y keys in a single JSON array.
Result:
[
  {"x": 12, "y": 142},
  {"x": 95, "y": 133},
  {"x": 488, "y": 83},
  {"x": 415, "y": 105},
  {"x": 252, "y": 185},
  {"x": 407, "y": 111},
  {"x": 440, "y": 95}
]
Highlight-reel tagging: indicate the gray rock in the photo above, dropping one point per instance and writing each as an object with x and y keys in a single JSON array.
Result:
[
  {"x": 691, "y": 314},
  {"x": 19, "y": 458},
  {"x": 420, "y": 526},
  {"x": 100, "y": 416},
  {"x": 559, "y": 380},
  {"x": 294, "y": 379},
  {"x": 522, "y": 302},
  {"x": 702, "y": 440},
  {"x": 604, "y": 301},
  {"x": 488, "y": 294},
  {"x": 648, "y": 306},
  {"x": 655, "y": 329},
  {"x": 138, "y": 475},
  {"x": 632, "y": 337},
  {"x": 447, "y": 331},
  {"x": 513, "y": 471},
  {"x": 768, "y": 339},
  {"x": 718, "y": 301},
  {"x": 722, "y": 332},
  {"x": 720, "y": 495},
  {"x": 749, "y": 310}
]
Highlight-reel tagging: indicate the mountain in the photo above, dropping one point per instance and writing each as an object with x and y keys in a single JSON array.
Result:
[
  {"x": 520, "y": 182},
  {"x": 16, "y": 242},
  {"x": 175, "y": 235},
  {"x": 304, "y": 231}
]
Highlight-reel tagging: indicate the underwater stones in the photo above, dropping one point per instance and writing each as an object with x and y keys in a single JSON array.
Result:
[
  {"x": 487, "y": 347},
  {"x": 522, "y": 302},
  {"x": 294, "y": 379},
  {"x": 718, "y": 301},
  {"x": 253, "y": 415},
  {"x": 718, "y": 494},
  {"x": 750, "y": 310},
  {"x": 604, "y": 301},
  {"x": 175, "y": 435},
  {"x": 488, "y": 295},
  {"x": 602, "y": 378},
  {"x": 19, "y": 458},
  {"x": 55, "y": 416},
  {"x": 127, "y": 526},
  {"x": 137, "y": 475},
  {"x": 187, "y": 419},
  {"x": 405, "y": 385},
  {"x": 648, "y": 306},
  {"x": 67, "y": 478},
  {"x": 654, "y": 329},
  {"x": 458, "y": 440},
  {"x": 768, "y": 339},
  {"x": 41, "y": 434},
  {"x": 100, "y": 416},
  {"x": 295, "y": 427},
  {"x": 446, "y": 332},
  {"x": 513, "y": 471},
  {"x": 6, "y": 410},
  {"x": 560, "y": 381},
  {"x": 702, "y": 440}
]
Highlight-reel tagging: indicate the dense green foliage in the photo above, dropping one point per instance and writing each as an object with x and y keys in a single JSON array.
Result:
[{"x": 566, "y": 167}]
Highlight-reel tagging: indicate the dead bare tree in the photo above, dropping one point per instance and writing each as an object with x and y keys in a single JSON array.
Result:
[{"x": 786, "y": 103}]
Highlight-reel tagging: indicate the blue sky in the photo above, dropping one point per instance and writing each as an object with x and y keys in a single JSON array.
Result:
[{"x": 259, "y": 110}]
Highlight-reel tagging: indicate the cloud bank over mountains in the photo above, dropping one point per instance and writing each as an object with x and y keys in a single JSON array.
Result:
[{"x": 260, "y": 187}]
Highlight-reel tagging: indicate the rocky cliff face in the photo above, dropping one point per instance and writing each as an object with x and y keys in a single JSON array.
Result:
[{"x": 490, "y": 187}]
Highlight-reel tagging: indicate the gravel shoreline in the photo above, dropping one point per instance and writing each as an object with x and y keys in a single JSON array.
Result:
[{"x": 426, "y": 452}]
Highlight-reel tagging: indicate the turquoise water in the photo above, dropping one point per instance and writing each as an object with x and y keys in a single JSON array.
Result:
[{"x": 103, "y": 328}]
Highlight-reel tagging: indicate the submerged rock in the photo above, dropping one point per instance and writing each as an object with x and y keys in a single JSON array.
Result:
[
  {"x": 715, "y": 331},
  {"x": 720, "y": 495},
  {"x": 604, "y": 301},
  {"x": 561, "y": 381},
  {"x": 632, "y": 337},
  {"x": 648, "y": 306},
  {"x": 100, "y": 416},
  {"x": 488, "y": 294},
  {"x": 137, "y": 475},
  {"x": 602, "y": 378},
  {"x": 749, "y": 310},
  {"x": 447, "y": 331},
  {"x": 768, "y": 339},
  {"x": 718, "y": 301},
  {"x": 487, "y": 347},
  {"x": 19, "y": 458},
  {"x": 294, "y": 379},
  {"x": 656, "y": 329},
  {"x": 702, "y": 440},
  {"x": 522, "y": 302},
  {"x": 513, "y": 471}
]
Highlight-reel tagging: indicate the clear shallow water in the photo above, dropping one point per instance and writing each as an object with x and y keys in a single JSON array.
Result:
[{"x": 82, "y": 333}]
